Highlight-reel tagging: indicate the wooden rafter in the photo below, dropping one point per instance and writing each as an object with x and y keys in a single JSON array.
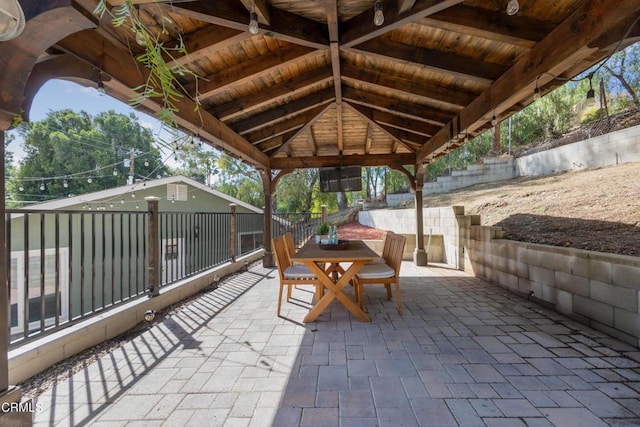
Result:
[
  {"x": 485, "y": 23},
  {"x": 428, "y": 93},
  {"x": 260, "y": 7},
  {"x": 199, "y": 44},
  {"x": 441, "y": 62},
  {"x": 367, "y": 114},
  {"x": 361, "y": 28},
  {"x": 286, "y": 88},
  {"x": 278, "y": 114},
  {"x": 310, "y": 118},
  {"x": 335, "y": 161},
  {"x": 245, "y": 71},
  {"x": 282, "y": 24},
  {"x": 397, "y": 107}
]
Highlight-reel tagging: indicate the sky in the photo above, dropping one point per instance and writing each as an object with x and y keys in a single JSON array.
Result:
[{"x": 61, "y": 94}]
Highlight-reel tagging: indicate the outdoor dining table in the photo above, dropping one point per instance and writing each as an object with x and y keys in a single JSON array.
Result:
[{"x": 316, "y": 258}]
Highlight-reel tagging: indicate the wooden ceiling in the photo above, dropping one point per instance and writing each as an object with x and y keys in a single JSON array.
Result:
[{"x": 320, "y": 84}]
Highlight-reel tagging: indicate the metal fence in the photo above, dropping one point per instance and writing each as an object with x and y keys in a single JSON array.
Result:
[
  {"x": 301, "y": 225},
  {"x": 65, "y": 266}
]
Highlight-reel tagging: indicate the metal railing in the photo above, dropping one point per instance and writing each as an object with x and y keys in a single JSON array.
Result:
[
  {"x": 301, "y": 225},
  {"x": 65, "y": 266}
]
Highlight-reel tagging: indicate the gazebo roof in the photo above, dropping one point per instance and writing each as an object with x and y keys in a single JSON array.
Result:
[{"x": 321, "y": 84}]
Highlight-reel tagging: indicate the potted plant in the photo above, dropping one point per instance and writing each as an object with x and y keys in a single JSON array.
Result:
[{"x": 322, "y": 231}]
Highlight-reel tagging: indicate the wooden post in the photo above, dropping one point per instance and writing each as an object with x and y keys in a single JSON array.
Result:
[
  {"x": 153, "y": 243},
  {"x": 267, "y": 258},
  {"x": 233, "y": 236},
  {"x": 497, "y": 149},
  {"x": 419, "y": 254},
  {"x": 324, "y": 213}
]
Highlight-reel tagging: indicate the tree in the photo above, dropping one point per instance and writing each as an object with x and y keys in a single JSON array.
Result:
[
  {"x": 296, "y": 191},
  {"x": 195, "y": 162},
  {"x": 624, "y": 67},
  {"x": 75, "y": 153},
  {"x": 239, "y": 180}
]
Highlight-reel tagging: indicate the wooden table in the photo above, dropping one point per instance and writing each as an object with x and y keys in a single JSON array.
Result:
[{"x": 358, "y": 254}]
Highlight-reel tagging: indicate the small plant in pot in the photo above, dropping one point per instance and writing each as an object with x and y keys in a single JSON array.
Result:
[{"x": 322, "y": 231}]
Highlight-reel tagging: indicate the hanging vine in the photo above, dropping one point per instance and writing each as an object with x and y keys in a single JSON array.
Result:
[{"x": 162, "y": 81}]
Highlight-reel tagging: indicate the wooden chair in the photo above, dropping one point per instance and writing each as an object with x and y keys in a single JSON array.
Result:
[
  {"x": 290, "y": 274},
  {"x": 386, "y": 273}
]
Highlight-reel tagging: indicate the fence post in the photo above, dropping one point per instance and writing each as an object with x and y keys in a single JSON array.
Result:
[
  {"x": 153, "y": 245},
  {"x": 233, "y": 236},
  {"x": 324, "y": 213}
]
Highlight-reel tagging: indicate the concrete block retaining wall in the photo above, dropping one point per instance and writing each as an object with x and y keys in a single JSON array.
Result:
[{"x": 599, "y": 289}]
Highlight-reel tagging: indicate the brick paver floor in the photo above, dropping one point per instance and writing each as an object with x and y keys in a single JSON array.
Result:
[{"x": 465, "y": 353}]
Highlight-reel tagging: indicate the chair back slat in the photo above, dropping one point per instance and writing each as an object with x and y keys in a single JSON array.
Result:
[
  {"x": 291, "y": 246},
  {"x": 393, "y": 256},
  {"x": 280, "y": 252}
]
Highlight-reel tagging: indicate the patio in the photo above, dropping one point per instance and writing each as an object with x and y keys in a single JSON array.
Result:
[{"x": 465, "y": 353}]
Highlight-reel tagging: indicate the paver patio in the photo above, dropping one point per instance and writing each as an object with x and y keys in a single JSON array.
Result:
[{"x": 464, "y": 353}]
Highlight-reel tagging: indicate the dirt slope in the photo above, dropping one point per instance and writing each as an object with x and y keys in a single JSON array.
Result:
[{"x": 597, "y": 210}]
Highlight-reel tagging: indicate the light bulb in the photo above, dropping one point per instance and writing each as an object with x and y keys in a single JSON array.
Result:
[
  {"x": 122, "y": 201},
  {"x": 111, "y": 205},
  {"x": 591, "y": 98},
  {"x": 378, "y": 16},
  {"x": 115, "y": 172},
  {"x": 141, "y": 36},
  {"x": 512, "y": 7},
  {"x": 42, "y": 186},
  {"x": 100, "y": 88},
  {"x": 253, "y": 23},
  {"x": 21, "y": 188},
  {"x": 146, "y": 162},
  {"x": 536, "y": 94},
  {"x": 133, "y": 195},
  {"x": 137, "y": 206},
  {"x": 89, "y": 180},
  {"x": 65, "y": 184},
  {"x": 494, "y": 121}
]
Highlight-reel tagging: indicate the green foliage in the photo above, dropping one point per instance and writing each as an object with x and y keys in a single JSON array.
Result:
[
  {"x": 322, "y": 229},
  {"x": 193, "y": 161},
  {"x": 295, "y": 191},
  {"x": 239, "y": 180},
  {"x": 68, "y": 147}
]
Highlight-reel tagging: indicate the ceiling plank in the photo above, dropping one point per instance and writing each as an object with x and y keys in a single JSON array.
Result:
[
  {"x": 286, "y": 88},
  {"x": 331, "y": 7},
  {"x": 361, "y": 28},
  {"x": 310, "y": 118},
  {"x": 283, "y": 25},
  {"x": 585, "y": 25},
  {"x": 453, "y": 97},
  {"x": 489, "y": 24},
  {"x": 245, "y": 71},
  {"x": 441, "y": 62},
  {"x": 396, "y": 106},
  {"x": 335, "y": 161},
  {"x": 283, "y": 112},
  {"x": 367, "y": 114},
  {"x": 201, "y": 43},
  {"x": 128, "y": 73}
]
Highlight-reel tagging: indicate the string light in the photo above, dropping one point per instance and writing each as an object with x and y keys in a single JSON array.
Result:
[
  {"x": 253, "y": 23},
  {"x": 42, "y": 186},
  {"x": 115, "y": 172},
  {"x": 89, "y": 180},
  {"x": 65, "y": 184},
  {"x": 378, "y": 15},
  {"x": 494, "y": 121}
]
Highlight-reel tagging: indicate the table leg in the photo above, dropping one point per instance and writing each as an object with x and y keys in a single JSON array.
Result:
[{"x": 335, "y": 291}]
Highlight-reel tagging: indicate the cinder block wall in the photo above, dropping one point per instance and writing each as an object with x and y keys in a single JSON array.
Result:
[{"x": 599, "y": 289}]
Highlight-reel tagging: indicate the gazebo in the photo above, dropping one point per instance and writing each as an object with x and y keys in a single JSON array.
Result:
[{"x": 314, "y": 84}]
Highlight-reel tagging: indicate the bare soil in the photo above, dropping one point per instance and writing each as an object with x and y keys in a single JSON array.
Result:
[{"x": 596, "y": 210}]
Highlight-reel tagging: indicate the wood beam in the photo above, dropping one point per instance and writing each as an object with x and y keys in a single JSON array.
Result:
[
  {"x": 585, "y": 25},
  {"x": 489, "y": 24},
  {"x": 367, "y": 114},
  {"x": 368, "y": 139},
  {"x": 451, "y": 98},
  {"x": 397, "y": 107},
  {"x": 46, "y": 24},
  {"x": 312, "y": 141},
  {"x": 214, "y": 84},
  {"x": 283, "y": 25},
  {"x": 203, "y": 42},
  {"x": 405, "y": 5},
  {"x": 285, "y": 111},
  {"x": 361, "y": 28},
  {"x": 285, "y": 89},
  {"x": 345, "y": 160},
  {"x": 441, "y": 62},
  {"x": 128, "y": 73},
  {"x": 260, "y": 7}
]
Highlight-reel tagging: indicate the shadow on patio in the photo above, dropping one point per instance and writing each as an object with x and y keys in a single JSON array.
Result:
[{"x": 464, "y": 353}]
